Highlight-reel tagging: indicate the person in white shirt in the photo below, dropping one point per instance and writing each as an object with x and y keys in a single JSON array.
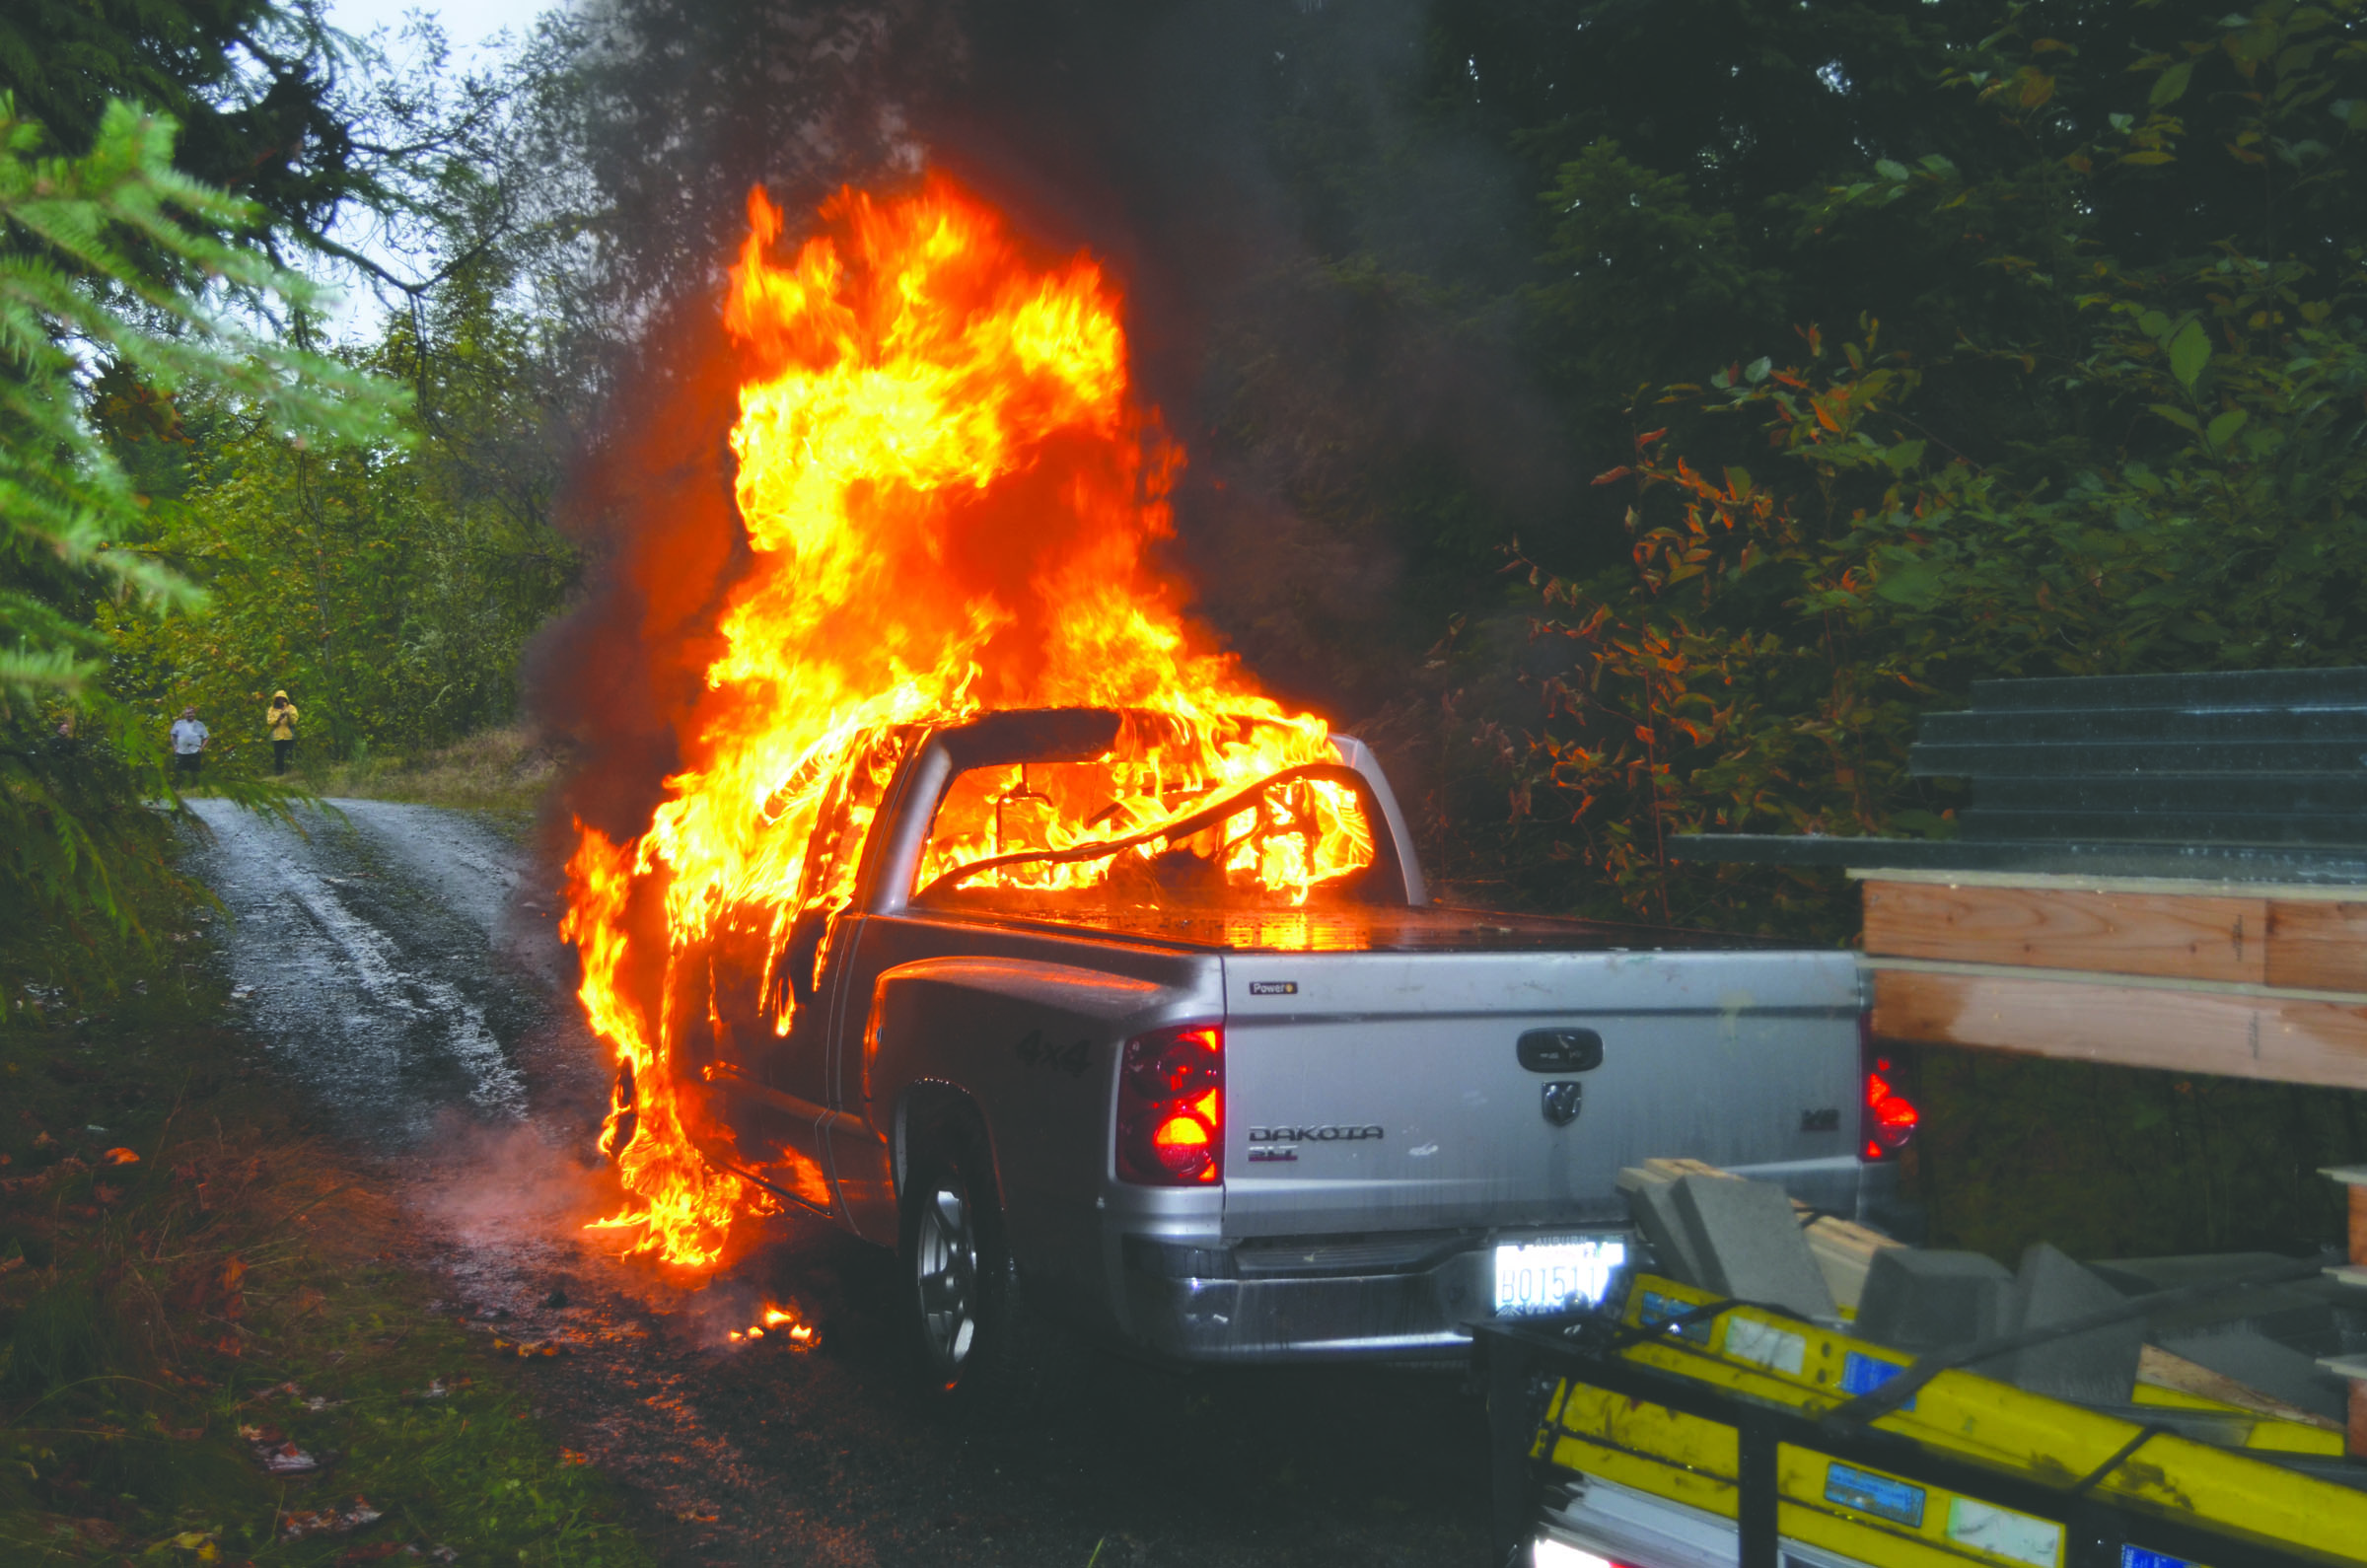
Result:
[{"x": 189, "y": 740}]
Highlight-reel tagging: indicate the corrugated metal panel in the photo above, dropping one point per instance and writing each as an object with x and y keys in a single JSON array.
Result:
[{"x": 2260, "y": 774}]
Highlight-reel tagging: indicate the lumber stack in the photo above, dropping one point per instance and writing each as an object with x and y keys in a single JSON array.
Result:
[
  {"x": 2353, "y": 1369},
  {"x": 2253, "y": 980},
  {"x": 2155, "y": 871}
]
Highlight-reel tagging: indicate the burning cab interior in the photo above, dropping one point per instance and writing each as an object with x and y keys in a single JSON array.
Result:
[
  {"x": 1063, "y": 811},
  {"x": 1051, "y": 838}
]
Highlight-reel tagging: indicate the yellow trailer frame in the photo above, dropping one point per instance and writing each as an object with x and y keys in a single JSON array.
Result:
[{"x": 1743, "y": 1414}]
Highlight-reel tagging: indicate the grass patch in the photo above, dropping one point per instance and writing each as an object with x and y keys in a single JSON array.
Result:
[
  {"x": 166, "y": 1323},
  {"x": 506, "y": 770}
]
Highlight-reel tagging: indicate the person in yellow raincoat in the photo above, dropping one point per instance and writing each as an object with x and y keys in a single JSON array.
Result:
[{"x": 282, "y": 720}]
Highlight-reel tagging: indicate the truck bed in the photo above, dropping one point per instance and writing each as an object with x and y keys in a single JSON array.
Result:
[{"x": 1339, "y": 928}]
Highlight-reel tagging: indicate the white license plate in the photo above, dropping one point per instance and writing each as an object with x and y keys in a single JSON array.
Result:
[{"x": 1534, "y": 1277}]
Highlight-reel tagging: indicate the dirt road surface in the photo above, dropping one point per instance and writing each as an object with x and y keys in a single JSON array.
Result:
[{"x": 398, "y": 964}]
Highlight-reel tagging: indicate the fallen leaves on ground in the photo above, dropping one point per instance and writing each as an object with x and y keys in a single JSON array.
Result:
[
  {"x": 43, "y": 1181},
  {"x": 277, "y": 1452},
  {"x": 539, "y": 1347},
  {"x": 300, "y": 1523}
]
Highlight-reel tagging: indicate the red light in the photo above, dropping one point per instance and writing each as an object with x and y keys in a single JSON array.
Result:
[
  {"x": 1183, "y": 1145},
  {"x": 1171, "y": 1108},
  {"x": 1893, "y": 1111},
  {"x": 1891, "y": 1117}
]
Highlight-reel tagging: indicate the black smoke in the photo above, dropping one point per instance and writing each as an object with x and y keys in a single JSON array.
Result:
[{"x": 1272, "y": 187}]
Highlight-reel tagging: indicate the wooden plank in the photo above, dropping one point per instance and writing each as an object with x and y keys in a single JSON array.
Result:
[
  {"x": 2281, "y": 1039},
  {"x": 2205, "y": 887},
  {"x": 2181, "y": 935},
  {"x": 2162, "y": 1370},
  {"x": 2317, "y": 945}
]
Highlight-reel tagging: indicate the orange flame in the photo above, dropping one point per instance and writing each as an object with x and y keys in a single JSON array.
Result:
[
  {"x": 781, "y": 1322},
  {"x": 949, "y": 489}
]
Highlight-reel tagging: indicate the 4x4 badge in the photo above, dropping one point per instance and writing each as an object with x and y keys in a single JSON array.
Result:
[{"x": 1563, "y": 1100}]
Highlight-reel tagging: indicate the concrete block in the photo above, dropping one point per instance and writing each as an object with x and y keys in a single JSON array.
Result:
[
  {"x": 2099, "y": 1366},
  {"x": 2140, "y": 1275},
  {"x": 1930, "y": 1300},
  {"x": 1748, "y": 1241},
  {"x": 2301, "y": 1313},
  {"x": 1674, "y": 1255}
]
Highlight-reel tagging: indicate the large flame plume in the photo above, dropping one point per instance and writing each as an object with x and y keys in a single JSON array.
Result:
[{"x": 949, "y": 490}]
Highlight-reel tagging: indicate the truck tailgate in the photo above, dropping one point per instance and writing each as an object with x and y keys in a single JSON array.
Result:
[{"x": 1377, "y": 1091}]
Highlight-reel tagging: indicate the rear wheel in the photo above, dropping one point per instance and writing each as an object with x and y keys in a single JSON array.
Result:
[{"x": 961, "y": 1300}]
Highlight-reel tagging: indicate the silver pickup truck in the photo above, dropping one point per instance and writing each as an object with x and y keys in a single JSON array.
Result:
[{"x": 1225, "y": 1129}]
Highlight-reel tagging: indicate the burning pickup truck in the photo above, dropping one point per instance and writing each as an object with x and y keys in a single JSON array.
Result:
[
  {"x": 994, "y": 912},
  {"x": 1140, "y": 1093}
]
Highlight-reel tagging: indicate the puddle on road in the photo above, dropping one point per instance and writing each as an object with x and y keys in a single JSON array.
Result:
[{"x": 377, "y": 964}]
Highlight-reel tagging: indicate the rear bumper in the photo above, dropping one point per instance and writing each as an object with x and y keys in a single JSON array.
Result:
[
  {"x": 1417, "y": 1313},
  {"x": 1403, "y": 1298}
]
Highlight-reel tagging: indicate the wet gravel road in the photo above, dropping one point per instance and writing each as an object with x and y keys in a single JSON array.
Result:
[{"x": 398, "y": 964}]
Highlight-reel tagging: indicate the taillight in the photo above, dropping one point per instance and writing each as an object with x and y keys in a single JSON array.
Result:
[
  {"x": 1889, "y": 1122},
  {"x": 1171, "y": 1108}
]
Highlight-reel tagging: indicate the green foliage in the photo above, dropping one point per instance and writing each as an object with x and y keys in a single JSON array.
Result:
[
  {"x": 92, "y": 298},
  {"x": 2194, "y": 497},
  {"x": 79, "y": 282},
  {"x": 1642, "y": 281},
  {"x": 390, "y": 588},
  {"x": 252, "y": 84}
]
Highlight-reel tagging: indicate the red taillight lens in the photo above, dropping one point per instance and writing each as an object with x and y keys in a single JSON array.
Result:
[
  {"x": 1891, "y": 1117},
  {"x": 1171, "y": 1108}
]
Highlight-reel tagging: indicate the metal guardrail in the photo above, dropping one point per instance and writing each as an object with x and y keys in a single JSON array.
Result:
[{"x": 2249, "y": 775}]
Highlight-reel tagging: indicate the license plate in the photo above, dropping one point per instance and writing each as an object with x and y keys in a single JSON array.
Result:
[{"x": 1553, "y": 1276}]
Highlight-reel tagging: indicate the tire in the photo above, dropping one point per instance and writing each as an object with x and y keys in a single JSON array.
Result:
[{"x": 961, "y": 1311}]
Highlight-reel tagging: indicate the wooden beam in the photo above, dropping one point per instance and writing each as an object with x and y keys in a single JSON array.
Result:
[
  {"x": 2085, "y": 882},
  {"x": 2180, "y": 935},
  {"x": 2162, "y": 1370},
  {"x": 2317, "y": 945},
  {"x": 2178, "y": 1028}
]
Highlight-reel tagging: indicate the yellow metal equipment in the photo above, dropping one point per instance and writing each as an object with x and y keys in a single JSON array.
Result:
[{"x": 1690, "y": 1432}]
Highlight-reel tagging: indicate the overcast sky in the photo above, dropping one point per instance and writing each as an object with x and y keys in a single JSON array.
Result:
[
  {"x": 466, "y": 22},
  {"x": 470, "y": 24}
]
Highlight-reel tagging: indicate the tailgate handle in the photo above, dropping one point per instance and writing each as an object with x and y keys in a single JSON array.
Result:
[{"x": 1561, "y": 1050}]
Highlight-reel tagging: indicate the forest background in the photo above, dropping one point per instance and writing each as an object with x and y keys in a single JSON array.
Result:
[{"x": 1631, "y": 417}]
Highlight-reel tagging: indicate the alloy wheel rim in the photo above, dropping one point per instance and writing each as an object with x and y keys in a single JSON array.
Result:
[{"x": 946, "y": 1267}]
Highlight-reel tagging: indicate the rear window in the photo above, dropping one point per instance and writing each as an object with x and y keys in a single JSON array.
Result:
[{"x": 1054, "y": 836}]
